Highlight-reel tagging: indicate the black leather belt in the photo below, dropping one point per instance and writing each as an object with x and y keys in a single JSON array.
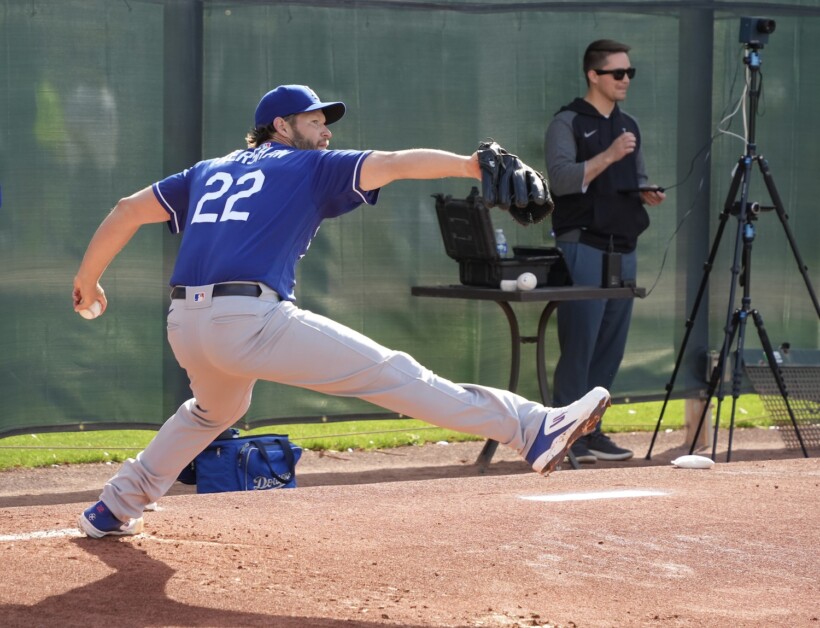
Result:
[{"x": 224, "y": 290}]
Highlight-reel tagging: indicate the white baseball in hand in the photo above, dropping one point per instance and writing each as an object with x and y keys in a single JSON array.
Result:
[
  {"x": 92, "y": 312},
  {"x": 527, "y": 281}
]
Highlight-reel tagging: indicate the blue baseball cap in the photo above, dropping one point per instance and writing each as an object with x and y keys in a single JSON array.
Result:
[{"x": 289, "y": 99}]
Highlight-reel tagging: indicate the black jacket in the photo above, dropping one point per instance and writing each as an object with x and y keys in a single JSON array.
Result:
[{"x": 604, "y": 210}]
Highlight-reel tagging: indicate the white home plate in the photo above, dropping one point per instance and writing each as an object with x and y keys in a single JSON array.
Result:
[{"x": 580, "y": 497}]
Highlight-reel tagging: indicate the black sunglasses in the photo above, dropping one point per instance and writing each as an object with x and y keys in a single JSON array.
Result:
[{"x": 618, "y": 74}]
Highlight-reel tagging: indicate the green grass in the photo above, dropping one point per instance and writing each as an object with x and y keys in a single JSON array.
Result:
[{"x": 39, "y": 450}]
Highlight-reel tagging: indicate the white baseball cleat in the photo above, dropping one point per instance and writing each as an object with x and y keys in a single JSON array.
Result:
[{"x": 563, "y": 426}]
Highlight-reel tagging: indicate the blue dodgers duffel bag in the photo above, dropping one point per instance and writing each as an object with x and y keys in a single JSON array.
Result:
[{"x": 251, "y": 463}]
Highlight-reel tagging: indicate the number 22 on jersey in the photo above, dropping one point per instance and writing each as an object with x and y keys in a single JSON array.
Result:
[{"x": 226, "y": 183}]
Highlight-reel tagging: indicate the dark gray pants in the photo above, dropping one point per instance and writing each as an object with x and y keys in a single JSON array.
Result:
[{"x": 591, "y": 334}]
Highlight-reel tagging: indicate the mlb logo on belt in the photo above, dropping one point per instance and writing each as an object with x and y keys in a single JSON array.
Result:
[{"x": 199, "y": 296}]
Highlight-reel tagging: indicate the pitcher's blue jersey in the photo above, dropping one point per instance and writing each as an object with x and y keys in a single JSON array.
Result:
[{"x": 251, "y": 215}]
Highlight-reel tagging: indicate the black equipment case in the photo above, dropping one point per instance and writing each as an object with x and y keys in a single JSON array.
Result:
[{"x": 469, "y": 238}]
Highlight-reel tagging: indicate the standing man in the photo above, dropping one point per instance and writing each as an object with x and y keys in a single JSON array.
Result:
[
  {"x": 247, "y": 218},
  {"x": 599, "y": 186}
]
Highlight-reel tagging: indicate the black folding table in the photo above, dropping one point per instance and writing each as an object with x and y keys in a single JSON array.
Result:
[{"x": 553, "y": 297}]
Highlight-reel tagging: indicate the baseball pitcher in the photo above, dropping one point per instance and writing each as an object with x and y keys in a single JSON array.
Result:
[{"x": 245, "y": 220}]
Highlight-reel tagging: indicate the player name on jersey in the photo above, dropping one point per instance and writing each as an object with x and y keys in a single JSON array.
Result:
[{"x": 265, "y": 151}]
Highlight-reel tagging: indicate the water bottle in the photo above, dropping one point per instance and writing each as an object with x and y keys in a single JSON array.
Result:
[{"x": 501, "y": 243}]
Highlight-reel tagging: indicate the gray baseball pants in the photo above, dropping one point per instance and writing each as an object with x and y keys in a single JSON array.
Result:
[{"x": 227, "y": 343}]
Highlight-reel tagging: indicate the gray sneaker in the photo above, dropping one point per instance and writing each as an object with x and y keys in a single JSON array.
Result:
[
  {"x": 582, "y": 453},
  {"x": 602, "y": 447}
]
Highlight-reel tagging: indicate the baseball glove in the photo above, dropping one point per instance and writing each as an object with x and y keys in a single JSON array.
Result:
[{"x": 510, "y": 184}]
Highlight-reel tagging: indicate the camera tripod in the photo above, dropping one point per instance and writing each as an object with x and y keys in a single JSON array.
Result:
[{"x": 737, "y": 319}]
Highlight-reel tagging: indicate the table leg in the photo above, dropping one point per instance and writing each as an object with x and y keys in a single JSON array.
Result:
[
  {"x": 541, "y": 366},
  {"x": 486, "y": 455},
  {"x": 515, "y": 348},
  {"x": 490, "y": 446},
  {"x": 541, "y": 353}
]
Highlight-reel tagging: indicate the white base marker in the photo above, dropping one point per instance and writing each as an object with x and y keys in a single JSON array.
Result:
[{"x": 580, "y": 497}]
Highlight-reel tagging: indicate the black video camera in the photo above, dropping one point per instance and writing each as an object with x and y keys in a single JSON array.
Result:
[{"x": 755, "y": 31}]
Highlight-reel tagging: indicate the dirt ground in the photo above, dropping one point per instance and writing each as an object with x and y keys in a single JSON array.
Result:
[{"x": 419, "y": 536}]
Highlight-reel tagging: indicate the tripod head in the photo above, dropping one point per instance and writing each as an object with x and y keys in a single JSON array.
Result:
[
  {"x": 752, "y": 209},
  {"x": 754, "y": 33}
]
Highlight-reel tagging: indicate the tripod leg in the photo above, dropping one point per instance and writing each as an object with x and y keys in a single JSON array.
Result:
[
  {"x": 778, "y": 375},
  {"x": 716, "y": 383},
  {"x": 742, "y": 316},
  {"x": 784, "y": 220},
  {"x": 707, "y": 269},
  {"x": 741, "y": 255}
]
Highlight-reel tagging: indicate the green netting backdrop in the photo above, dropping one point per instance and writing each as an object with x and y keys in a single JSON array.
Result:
[{"x": 83, "y": 122}]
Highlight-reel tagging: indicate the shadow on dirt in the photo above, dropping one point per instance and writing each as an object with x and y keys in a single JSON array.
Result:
[{"x": 135, "y": 595}]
